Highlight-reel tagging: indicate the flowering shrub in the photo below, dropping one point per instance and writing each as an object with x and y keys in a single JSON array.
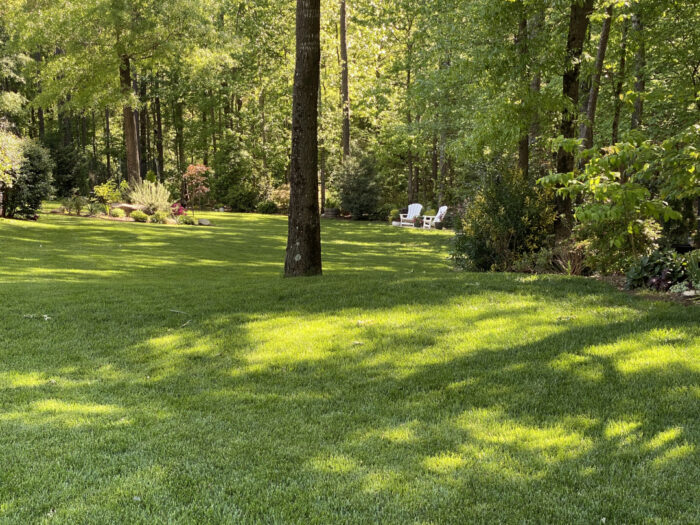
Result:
[
  {"x": 177, "y": 209},
  {"x": 194, "y": 183}
]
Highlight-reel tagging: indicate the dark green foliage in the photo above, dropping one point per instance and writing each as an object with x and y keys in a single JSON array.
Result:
[
  {"x": 358, "y": 187},
  {"x": 660, "y": 270},
  {"x": 267, "y": 207},
  {"x": 382, "y": 213},
  {"x": 506, "y": 218},
  {"x": 234, "y": 184},
  {"x": 31, "y": 184}
]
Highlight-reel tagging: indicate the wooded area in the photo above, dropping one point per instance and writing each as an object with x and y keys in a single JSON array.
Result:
[{"x": 441, "y": 99}]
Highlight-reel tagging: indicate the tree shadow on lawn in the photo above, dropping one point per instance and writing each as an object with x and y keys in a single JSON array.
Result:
[
  {"x": 375, "y": 395},
  {"x": 217, "y": 418}
]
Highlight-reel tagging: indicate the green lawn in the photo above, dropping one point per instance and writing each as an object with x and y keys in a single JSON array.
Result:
[{"x": 391, "y": 390}]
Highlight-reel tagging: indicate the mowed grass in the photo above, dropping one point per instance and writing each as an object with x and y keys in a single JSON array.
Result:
[{"x": 179, "y": 378}]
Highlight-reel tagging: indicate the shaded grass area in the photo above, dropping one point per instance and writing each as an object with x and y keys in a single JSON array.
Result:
[{"x": 390, "y": 390}]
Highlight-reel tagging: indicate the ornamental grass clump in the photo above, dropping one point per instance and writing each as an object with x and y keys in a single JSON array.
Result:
[{"x": 152, "y": 196}]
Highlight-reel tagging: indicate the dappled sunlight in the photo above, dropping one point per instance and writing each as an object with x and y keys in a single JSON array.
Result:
[{"x": 391, "y": 387}]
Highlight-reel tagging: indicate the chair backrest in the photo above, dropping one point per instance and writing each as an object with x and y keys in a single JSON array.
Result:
[
  {"x": 441, "y": 214},
  {"x": 414, "y": 210}
]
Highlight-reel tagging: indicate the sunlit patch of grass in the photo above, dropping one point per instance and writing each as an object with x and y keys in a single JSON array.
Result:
[{"x": 180, "y": 378}]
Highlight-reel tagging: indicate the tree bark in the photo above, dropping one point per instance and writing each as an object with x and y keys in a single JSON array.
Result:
[
  {"x": 578, "y": 25},
  {"x": 42, "y": 124},
  {"x": 108, "y": 145},
  {"x": 587, "y": 132},
  {"x": 131, "y": 141},
  {"x": 639, "y": 73},
  {"x": 344, "y": 80},
  {"x": 618, "y": 86},
  {"x": 524, "y": 142},
  {"x": 159, "y": 139},
  {"x": 303, "y": 257}
]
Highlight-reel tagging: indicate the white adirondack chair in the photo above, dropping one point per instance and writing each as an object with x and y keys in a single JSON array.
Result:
[
  {"x": 413, "y": 212},
  {"x": 429, "y": 221}
]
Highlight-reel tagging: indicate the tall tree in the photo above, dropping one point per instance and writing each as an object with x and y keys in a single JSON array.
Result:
[
  {"x": 303, "y": 256},
  {"x": 344, "y": 81},
  {"x": 639, "y": 70},
  {"x": 579, "y": 16},
  {"x": 587, "y": 126}
]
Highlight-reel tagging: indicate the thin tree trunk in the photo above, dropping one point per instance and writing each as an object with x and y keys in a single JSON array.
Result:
[
  {"x": 205, "y": 132},
  {"x": 303, "y": 257},
  {"x": 131, "y": 141},
  {"x": 578, "y": 25},
  {"x": 108, "y": 145},
  {"x": 588, "y": 124},
  {"x": 639, "y": 73},
  {"x": 159, "y": 139},
  {"x": 619, "y": 85},
  {"x": 524, "y": 142},
  {"x": 42, "y": 124},
  {"x": 179, "y": 135},
  {"x": 142, "y": 120},
  {"x": 344, "y": 81}
]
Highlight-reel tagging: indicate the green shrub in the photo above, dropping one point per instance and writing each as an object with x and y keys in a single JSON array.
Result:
[
  {"x": 152, "y": 196},
  {"x": 139, "y": 216},
  {"x": 159, "y": 217},
  {"x": 116, "y": 212},
  {"x": 25, "y": 175},
  {"x": 95, "y": 208},
  {"x": 268, "y": 207},
  {"x": 106, "y": 194},
  {"x": 508, "y": 217},
  {"x": 358, "y": 187},
  {"x": 382, "y": 213},
  {"x": 280, "y": 196},
  {"x": 659, "y": 270},
  {"x": 394, "y": 214},
  {"x": 431, "y": 212},
  {"x": 75, "y": 203},
  {"x": 332, "y": 203},
  {"x": 186, "y": 219},
  {"x": 693, "y": 268}
]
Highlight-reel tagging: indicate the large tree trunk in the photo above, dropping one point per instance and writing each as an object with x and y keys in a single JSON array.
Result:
[
  {"x": 303, "y": 256},
  {"x": 587, "y": 132},
  {"x": 618, "y": 86},
  {"x": 639, "y": 73},
  {"x": 131, "y": 140},
  {"x": 344, "y": 81},
  {"x": 578, "y": 25}
]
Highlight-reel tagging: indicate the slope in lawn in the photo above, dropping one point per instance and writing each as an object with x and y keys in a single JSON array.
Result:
[{"x": 159, "y": 374}]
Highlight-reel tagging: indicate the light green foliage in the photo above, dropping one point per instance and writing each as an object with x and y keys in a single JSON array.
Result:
[
  {"x": 159, "y": 217},
  {"x": 153, "y": 196},
  {"x": 392, "y": 390},
  {"x": 139, "y": 216},
  {"x": 25, "y": 175},
  {"x": 186, "y": 219},
  {"x": 10, "y": 156},
  {"x": 394, "y": 215},
  {"x": 107, "y": 193},
  {"x": 622, "y": 194},
  {"x": 116, "y": 212}
]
